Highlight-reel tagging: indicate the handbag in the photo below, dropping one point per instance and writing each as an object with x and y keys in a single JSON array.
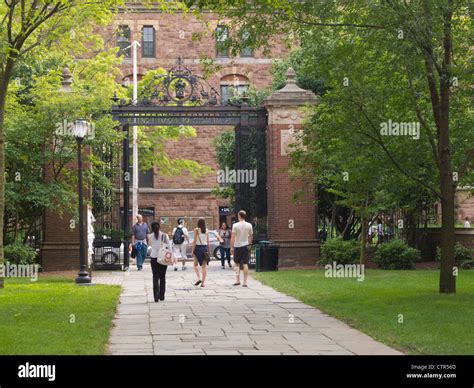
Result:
[
  {"x": 165, "y": 254},
  {"x": 134, "y": 252},
  {"x": 206, "y": 255}
]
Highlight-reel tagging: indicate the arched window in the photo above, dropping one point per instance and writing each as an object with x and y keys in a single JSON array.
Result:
[{"x": 233, "y": 85}]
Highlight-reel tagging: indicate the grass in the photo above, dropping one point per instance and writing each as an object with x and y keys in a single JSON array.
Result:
[
  {"x": 432, "y": 323},
  {"x": 36, "y": 317}
]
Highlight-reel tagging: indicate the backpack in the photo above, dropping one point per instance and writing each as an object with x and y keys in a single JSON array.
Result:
[{"x": 178, "y": 236}]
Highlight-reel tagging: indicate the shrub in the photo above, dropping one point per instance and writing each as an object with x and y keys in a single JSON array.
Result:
[
  {"x": 396, "y": 254},
  {"x": 463, "y": 257},
  {"x": 340, "y": 251},
  {"x": 18, "y": 253}
]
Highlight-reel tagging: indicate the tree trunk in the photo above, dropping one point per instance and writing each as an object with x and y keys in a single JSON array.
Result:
[
  {"x": 4, "y": 80},
  {"x": 447, "y": 279},
  {"x": 363, "y": 237}
]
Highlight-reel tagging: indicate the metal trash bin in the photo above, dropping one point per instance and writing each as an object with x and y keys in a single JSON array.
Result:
[{"x": 266, "y": 256}]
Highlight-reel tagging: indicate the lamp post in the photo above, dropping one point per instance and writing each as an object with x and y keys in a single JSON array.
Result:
[{"x": 81, "y": 128}]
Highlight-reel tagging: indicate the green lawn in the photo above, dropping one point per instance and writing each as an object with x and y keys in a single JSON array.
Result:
[
  {"x": 35, "y": 317},
  {"x": 433, "y": 323}
]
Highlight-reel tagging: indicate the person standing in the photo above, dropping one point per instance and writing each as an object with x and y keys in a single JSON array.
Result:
[
  {"x": 200, "y": 251},
  {"x": 225, "y": 234},
  {"x": 379, "y": 231},
  {"x": 155, "y": 239},
  {"x": 140, "y": 231},
  {"x": 180, "y": 242},
  {"x": 242, "y": 237},
  {"x": 467, "y": 224}
]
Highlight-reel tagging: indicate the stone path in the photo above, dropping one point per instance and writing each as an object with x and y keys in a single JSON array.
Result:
[{"x": 223, "y": 319}]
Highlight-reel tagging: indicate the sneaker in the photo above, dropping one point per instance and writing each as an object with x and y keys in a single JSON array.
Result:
[
  {"x": 223, "y": 267},
  {"x": 184, "y": 267}
]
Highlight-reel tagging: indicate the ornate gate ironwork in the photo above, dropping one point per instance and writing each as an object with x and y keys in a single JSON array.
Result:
[{"x": 106, "y": 208}]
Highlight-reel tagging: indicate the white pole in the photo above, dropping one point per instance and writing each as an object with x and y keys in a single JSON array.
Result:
[{"x": 135, "y": 46}]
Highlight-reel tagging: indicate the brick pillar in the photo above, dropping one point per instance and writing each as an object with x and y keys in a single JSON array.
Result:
[{"x": 292, "y": 225}]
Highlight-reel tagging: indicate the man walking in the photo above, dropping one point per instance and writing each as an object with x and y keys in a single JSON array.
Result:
[
  {"x": 180, "y": 242},
  {"x": 242, "y": 237},
  {"x": 139, "y": 233}
]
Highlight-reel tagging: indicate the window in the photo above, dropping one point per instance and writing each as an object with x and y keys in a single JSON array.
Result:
[
  {"x": 123, "y": 41},
  {"x": 145, "y": 178},
  {"x": 246, "y": 50},
  {"x": 222, "y": 35},
  {"x": 148, "y": 42},
  {"x": 233, "y": 85},
  {"x": 229, "y": 91}
]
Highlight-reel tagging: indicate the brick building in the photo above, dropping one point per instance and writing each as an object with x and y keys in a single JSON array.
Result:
[{"x": 164, "y": 38}]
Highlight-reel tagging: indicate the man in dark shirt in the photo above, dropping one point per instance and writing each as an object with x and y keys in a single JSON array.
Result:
[{"x": 139, "y": 233}]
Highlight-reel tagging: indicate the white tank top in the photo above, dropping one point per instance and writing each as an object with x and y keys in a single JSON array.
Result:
[{"x": 201, "y": 238}]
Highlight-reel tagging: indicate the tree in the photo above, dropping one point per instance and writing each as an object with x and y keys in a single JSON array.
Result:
[{"x": 428, "y": 45}]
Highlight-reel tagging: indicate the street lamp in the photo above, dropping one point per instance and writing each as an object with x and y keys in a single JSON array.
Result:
[{"x": 81, "y": 127}]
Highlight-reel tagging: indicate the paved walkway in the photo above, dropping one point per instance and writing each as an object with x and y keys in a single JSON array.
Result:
[{"x": 223, "y": 319}]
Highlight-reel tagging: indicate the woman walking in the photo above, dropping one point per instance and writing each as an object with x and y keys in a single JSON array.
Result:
[
  {"x": 155, "y": 239},
  {"x": 201, "y": 249},
  {"x": 225, "y": 235}
]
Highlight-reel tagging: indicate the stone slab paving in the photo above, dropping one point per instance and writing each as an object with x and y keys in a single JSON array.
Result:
[{"x": 222, "y": 319}]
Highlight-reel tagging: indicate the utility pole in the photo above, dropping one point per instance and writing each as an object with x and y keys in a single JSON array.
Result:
[{"x": 135, "y": 46}]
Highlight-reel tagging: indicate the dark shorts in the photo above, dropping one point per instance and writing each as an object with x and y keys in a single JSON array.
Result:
[
  {"x": 199, "y": 254},
  {"x": 241, "y": 255}
]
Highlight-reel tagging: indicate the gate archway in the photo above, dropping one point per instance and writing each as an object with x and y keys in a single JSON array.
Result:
[{"x": 184, "y": 98}]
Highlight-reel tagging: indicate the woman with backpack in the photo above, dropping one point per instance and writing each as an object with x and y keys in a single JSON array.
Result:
[
  {"x": 156, "y": 239},
  {"x": 200, "y": 251}
]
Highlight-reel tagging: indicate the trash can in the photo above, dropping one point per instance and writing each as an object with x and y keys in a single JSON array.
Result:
[{"x": 266, "y": 256}]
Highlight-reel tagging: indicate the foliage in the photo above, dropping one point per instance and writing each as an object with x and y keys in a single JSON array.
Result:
[
  {"x": 340, "y": 251},
  {"x": 396, "y": 254},
  {"x": 18, "y": 253},
  {"x": 463, "y": 256}
]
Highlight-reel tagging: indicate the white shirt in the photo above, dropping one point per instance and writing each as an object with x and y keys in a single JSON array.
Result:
[
  {"x": 201, "y": 238},
  {"x": 467, "y": 224},
  {"x": 156, "y": 243},
  {"x": 242, "y": 231}
]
